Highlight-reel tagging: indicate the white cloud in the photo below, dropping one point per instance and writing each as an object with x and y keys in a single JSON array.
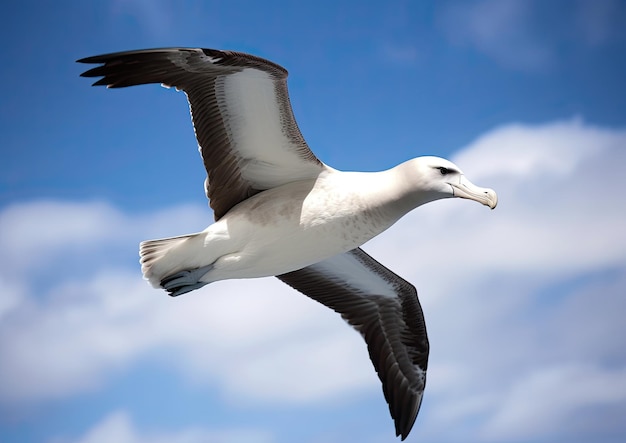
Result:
[
  {"x": 13, "y": 294},
  {"x": 119, "y": 428},
  {"x": 559, "y": 209},
  {"x": 550, "y": 396},
  {"x": 516, "y": 153},
  {"x": 35, "y": 234},
  {"x": 521, "y": 303},
  {"x": 239, "y": 332},
  {"x": 556, "y": 182}
]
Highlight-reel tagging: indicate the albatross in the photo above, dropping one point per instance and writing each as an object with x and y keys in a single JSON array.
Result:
[{"x": 280, "y": 211}]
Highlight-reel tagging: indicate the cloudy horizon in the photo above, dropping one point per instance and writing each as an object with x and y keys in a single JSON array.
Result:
[{"x": 257, "y": 341}]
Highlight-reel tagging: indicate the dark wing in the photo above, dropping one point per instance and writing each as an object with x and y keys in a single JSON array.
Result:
[
  {"x": 384, "y": 308},
  {"x": 246, "y": 131}
]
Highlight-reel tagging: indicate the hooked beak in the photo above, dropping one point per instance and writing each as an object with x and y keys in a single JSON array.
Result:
[{"x": 466, "y": 189}]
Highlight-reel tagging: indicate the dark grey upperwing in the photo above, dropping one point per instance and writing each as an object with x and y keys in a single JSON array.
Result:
[
  {"x": 385, "y": 309},
  {"x": 244, "y": 124}
]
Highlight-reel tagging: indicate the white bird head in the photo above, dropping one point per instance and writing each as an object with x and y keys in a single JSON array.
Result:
[{"x": 439, "y": 178}]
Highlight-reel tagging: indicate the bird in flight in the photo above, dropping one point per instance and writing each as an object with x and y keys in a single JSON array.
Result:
[{"x": 280, "y": 211}]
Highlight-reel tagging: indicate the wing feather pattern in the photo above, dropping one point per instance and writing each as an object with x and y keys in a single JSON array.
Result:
[
  {"x": 247, "y": 135},
  {"x": 385, "y": 309}
]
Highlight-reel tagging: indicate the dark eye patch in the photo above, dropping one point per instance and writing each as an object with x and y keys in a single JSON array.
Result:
[{"x": 444, "y": 170}]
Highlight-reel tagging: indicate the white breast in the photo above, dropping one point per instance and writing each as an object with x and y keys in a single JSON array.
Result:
[{"x": 295, "y": 225}]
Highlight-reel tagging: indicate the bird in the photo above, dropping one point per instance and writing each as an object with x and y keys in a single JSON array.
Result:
[{"x": 280, "y": 211}]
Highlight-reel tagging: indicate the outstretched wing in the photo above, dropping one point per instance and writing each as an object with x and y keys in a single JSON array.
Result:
[
  {"x": 385, "y": 309},
  {"x": 246, "y": 131}
]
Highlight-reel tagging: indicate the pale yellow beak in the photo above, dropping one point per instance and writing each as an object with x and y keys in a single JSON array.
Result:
[{"x": 466, "y": 189}]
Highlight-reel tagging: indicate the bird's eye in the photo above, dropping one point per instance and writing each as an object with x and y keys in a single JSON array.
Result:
[{"x": 443, "y": 170}]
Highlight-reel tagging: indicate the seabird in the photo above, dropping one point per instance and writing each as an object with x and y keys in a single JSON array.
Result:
[{"x": 281, "y": 211}]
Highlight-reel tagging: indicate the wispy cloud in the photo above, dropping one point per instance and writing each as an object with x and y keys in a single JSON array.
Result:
[
  {"x": 153, "y": 16},
  {"x": 524, "y": 36},
  {"x": 559, "y": 402},
  {"x": 600, "y": 21},
  {"x": 501, "y": 29}
]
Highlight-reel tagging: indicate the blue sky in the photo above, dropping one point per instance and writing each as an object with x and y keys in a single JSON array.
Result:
[{"x": 524, "y": 304}]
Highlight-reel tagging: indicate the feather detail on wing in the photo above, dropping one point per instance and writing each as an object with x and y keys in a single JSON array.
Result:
[
  {"x": 385, "y": 309},
  {"x": 247, "y": 135}
]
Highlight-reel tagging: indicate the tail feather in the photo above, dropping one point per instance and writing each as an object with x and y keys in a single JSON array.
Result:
[{"x": 155, "y": 264}]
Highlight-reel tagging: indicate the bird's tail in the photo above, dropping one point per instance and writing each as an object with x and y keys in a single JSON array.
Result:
[{"x": 159, "y": 259}]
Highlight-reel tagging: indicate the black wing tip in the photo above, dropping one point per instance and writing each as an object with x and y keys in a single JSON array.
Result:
[
  {"x": 225, "y": 57},
  {"x": 405, "y": 416},
  {"x": 111, "y": 62},
  {"x": 92, "y": 59},
  {"x": 403, "y": 432},
  {"x": 104, "y": 58},
  {"x": 93, "y": 72},
  {"x": 404, "y": 429}
]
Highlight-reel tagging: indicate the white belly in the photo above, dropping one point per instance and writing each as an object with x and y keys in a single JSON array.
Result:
[{"x": 290, "y": 227}]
